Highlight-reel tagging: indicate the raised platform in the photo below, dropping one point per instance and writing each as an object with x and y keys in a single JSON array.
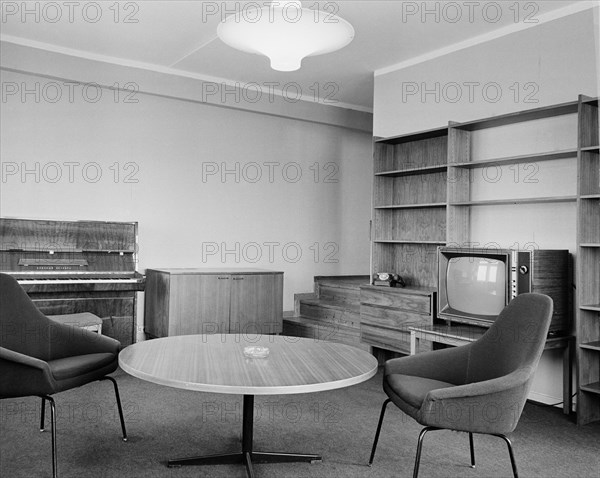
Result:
[{"x": 331, "y": 312}]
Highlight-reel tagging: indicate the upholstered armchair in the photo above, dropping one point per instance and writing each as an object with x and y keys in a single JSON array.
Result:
[
  {"x": 476, "y": 388},
  {"x": 40, "y": 357}
]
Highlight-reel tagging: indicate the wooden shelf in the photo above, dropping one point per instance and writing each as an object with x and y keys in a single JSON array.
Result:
[
  {"x": 590, "y": 245},
  {"x": 519, "y": 117},
  {"x": 590, "y": 307},
  {"x": 591, "y": 345},
  {"x": 408, "y": 241},
  {"x": 497, "y": 202},
  {"x": 409, "y": 197},
  {"x": 408, "y": 138},
  {"x": 590, "y": 196},
  {"x": 591, "y": 388},
  {"x": 412, "y": 171},
  {"x": 590, "y": 149},
  {"x": 527, "y": 158},
  {"x": 412, "y": 206}
]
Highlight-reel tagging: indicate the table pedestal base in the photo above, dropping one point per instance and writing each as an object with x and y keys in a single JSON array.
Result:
[{"x": 246, "y": 456}]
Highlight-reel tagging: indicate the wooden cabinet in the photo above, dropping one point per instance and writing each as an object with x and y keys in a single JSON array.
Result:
[
  {"x": 386, "y": 313},
  {"x": 205, "y": 301},
  {"x": 588, "y": 263}
]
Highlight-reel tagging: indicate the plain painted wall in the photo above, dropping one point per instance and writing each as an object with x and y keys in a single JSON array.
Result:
[
  {"x": 547, "y": 64},
  {"x": 208, "y": 185}
]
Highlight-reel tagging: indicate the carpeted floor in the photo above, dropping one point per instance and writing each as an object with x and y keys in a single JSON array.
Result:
[{"x": 164, "y": 422}]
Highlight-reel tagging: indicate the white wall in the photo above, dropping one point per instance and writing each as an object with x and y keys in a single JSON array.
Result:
[
  {"x": 548, "y": 64},
  {"x": 544, "y": 65},
  {"x": 297, "y": 197}
]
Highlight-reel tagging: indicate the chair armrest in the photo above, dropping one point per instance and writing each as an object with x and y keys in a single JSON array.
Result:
[
  {"x": 447, "y": 365},
  {"x": 22, "y": 375},
  {"x": 513, "y": 380},
  {"x": 490, "y": 406},
  {"x": 22, "y": 359},
  {"x": 70, "y": 340}
]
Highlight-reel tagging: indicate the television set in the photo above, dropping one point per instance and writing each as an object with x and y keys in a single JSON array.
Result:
[{"x": 474, "y": 285}]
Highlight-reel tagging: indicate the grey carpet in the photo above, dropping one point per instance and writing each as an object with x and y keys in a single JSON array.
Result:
[{"x": 163, "y": 423}]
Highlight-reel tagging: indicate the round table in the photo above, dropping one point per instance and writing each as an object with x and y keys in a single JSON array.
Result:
[{"x": 217, "y": 364}]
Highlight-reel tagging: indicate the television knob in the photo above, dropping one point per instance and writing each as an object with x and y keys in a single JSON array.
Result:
[{"x": 523, "y": 270}]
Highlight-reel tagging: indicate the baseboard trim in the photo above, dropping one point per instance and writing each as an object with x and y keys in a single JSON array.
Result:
[{"x": 547, "y": 399}]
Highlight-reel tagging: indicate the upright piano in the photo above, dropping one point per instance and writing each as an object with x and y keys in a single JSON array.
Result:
[{"x": 68, "y": 267}]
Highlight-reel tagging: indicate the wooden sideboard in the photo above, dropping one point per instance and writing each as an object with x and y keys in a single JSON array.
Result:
[{"x": 205, "y": 301}]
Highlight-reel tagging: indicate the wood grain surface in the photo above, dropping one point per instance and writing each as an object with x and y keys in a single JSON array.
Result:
[{"x": 216, "y": 363}]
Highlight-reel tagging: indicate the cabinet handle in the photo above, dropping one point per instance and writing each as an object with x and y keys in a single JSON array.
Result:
[
  {"x": 238, "y": 278},
  {"x": 223, "y": 278}
]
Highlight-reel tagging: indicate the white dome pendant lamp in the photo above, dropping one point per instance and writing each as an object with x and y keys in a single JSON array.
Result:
[{"x": 285, "y": 32}]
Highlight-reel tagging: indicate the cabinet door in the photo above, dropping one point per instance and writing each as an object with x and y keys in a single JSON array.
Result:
[
  {"x": 256, "y": 303},
  {"x": 199, "y": 304}
]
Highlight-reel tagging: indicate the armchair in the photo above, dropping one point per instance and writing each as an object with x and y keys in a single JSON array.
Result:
[
  {"x": 40, "y": 357},
  {"x": 476, "y": 388}
]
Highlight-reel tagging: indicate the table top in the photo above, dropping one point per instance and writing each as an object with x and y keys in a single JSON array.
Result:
[{"x": 216, "y": 363}]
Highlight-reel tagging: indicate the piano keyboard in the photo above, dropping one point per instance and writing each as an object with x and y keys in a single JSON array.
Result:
[{"x": 79, "y": 281}]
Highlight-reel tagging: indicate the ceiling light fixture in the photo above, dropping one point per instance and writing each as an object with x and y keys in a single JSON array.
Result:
[{"x": 285, "y": 32}]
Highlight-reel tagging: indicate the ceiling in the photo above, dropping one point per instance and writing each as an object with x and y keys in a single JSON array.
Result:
[{"x": 180, "y": 37}]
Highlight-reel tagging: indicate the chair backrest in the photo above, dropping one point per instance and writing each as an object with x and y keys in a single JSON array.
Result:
[
  {"x": 23, "y": 328},
  {"x": 515, "y": 340}
]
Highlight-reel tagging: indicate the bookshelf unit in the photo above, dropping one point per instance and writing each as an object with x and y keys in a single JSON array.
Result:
[
  {"x": 408, "y": 224},
  {"x": 424, "y": 196},
  {"x": 409, "y": 205},
  {"x": 461, "y": 167},
  {"x": 588, "y": 264}
]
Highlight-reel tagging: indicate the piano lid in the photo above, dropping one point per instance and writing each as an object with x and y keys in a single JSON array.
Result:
[
  {"x": 94, "y": 248},
  {"x": 67, "y": 236}
]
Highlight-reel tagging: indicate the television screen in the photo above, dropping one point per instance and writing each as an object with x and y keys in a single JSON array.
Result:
[{"x": 476, "y": 285}]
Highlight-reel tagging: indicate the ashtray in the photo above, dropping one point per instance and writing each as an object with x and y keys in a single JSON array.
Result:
[{"x": 256, "y": 352}]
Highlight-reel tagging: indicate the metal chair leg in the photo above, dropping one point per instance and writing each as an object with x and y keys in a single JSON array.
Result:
[
  {"x": 513, "y": 463},
  {"x": 472, "y": 448},
  {"x": 419, "y": 446},
  {"x": 118, "y": 405},
  {"x": 383, "y": 408},
  {"x": 43, "y": 415},
  {"x": 53, "y": 424}
]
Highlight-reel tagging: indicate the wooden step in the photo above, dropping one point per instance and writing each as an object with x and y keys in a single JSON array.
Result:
[
  {"x": 319, "y": 330},
  {"x": 340, "y": 288},
  {"x": 331, "y": 311},
  {"x": 300, "y": 297}
]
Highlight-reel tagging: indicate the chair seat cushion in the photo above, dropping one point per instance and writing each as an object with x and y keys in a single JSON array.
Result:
[
  {"x": 413, "y": 389},
  {"x": 70, "y": 367}
]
